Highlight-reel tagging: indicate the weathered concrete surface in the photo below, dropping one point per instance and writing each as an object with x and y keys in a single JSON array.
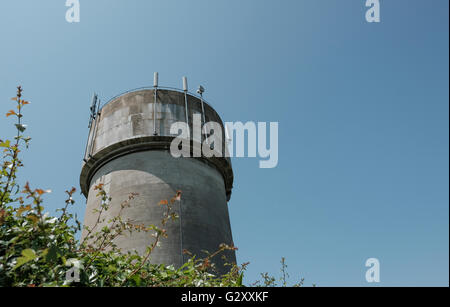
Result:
[
  {"x": 131, "y": 115},
  {"x": 155, "y": 175},
  {"x": 129, "y": 119},
  {"x": 128, "y": 158}
]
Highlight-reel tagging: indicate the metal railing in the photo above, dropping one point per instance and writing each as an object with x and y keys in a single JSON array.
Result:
[{"x": 152, "y": 88}]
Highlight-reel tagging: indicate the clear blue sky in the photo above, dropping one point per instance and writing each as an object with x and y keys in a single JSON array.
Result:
[{"x": 362, "y": 109}]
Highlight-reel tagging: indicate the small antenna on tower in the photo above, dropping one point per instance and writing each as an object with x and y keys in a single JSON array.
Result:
[
  {"x": 155, "y": 79},
  {"x": 201, "y": 90},
  {"x": 185, "y": 84},
  {"x": 93, "y": 109}
]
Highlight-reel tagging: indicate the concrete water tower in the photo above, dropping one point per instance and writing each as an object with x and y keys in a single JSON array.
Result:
[{"x": 128, "y": 150}]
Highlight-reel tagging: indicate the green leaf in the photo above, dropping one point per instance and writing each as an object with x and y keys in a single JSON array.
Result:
[
  {"x": 22, "y": 209},
  {"x": 239, "y": 281},
  {"x": 52, "y": 254},
  {"x": 27, "y": 256},
  {"x": 5, "y": 144},
  {"x": 137, "y": 280},
  {"x": 21, "y": 127},
  {"x": 29, "y": 253}
]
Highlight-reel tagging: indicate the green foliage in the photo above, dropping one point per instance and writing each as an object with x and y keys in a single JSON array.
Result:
[
  {"x": 271, "y": 281},
  {"x": 41, "y": 250},
  {"x": 38, "y": 250}
]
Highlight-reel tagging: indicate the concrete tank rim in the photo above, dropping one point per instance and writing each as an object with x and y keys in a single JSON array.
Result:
[{"x": 147, "y": 143}]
